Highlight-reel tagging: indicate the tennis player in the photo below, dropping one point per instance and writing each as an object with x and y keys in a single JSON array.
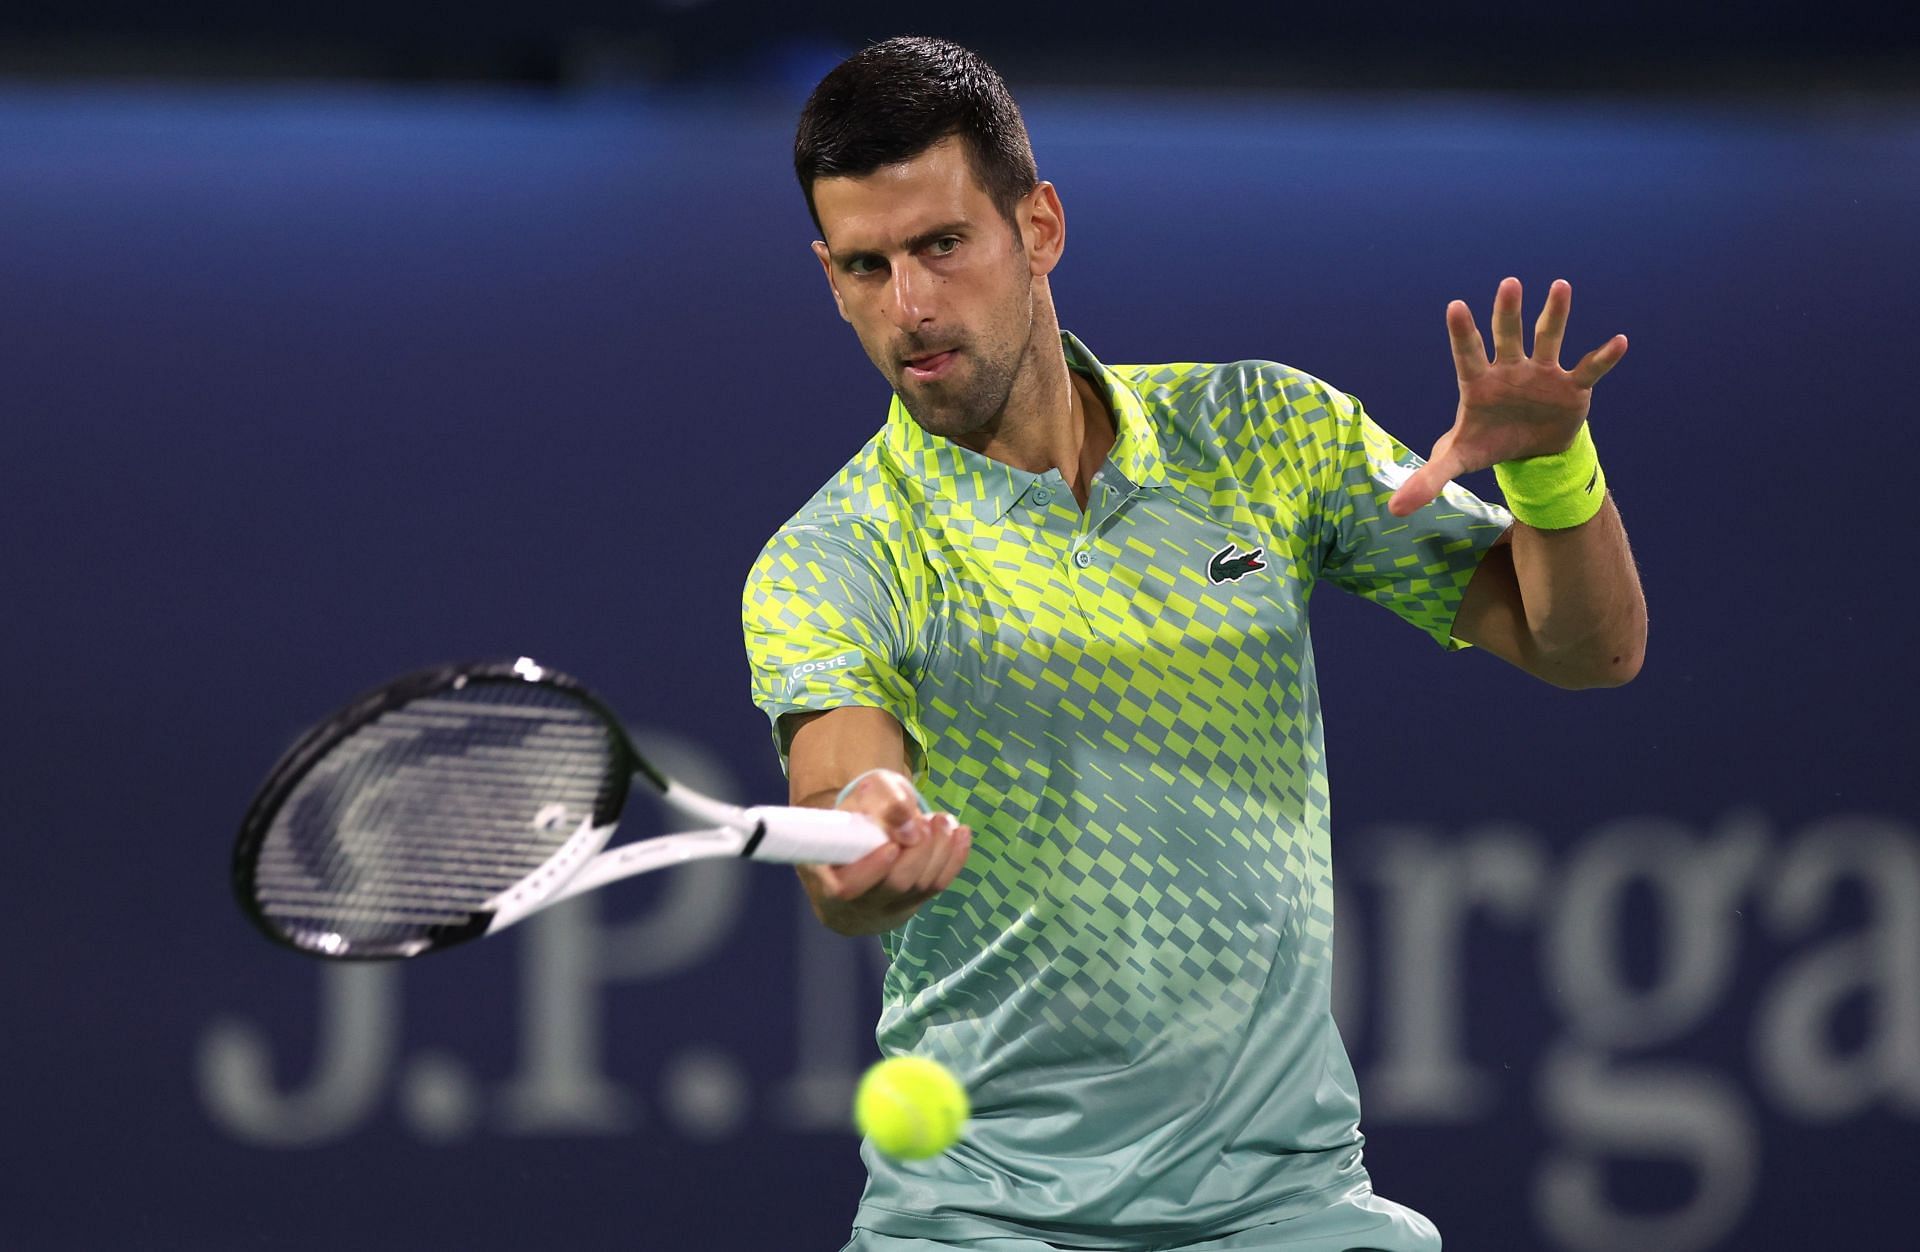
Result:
[{"x": 1049, "y": 628}]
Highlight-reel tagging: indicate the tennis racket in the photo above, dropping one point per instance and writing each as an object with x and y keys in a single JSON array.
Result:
[{"x": 453, "y": 802}]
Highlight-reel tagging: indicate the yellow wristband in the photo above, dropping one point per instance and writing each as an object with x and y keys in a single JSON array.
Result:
[{"x": 1555, "y": 492}]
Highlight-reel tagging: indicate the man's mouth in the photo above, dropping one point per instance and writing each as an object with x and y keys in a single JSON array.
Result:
[{"x": 932, "y": 365}]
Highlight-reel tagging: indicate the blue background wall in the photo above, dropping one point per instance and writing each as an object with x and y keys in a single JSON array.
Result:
[{"x": 306, "y": 387}]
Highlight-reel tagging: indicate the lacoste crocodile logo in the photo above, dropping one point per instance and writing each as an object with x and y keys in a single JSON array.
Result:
[{"x": 1229, "y": 565}]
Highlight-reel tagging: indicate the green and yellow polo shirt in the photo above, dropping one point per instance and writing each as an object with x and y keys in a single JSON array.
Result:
[{"x": 1131, "y": 973}]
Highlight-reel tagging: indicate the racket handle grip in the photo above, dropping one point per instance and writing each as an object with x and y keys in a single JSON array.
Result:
[{"x": 811, "y": 836}]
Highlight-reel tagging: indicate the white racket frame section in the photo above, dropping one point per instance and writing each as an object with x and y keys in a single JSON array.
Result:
[{"x": 776, "y": 832}]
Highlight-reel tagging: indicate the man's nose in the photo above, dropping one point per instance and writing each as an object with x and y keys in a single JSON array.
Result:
[{"x": 912, "y": 297}]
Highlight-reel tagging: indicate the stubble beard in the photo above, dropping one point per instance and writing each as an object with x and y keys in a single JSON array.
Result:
[{"x": 971, "y": 411}]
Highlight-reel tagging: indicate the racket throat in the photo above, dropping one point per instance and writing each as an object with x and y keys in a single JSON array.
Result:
[{"x": 545, "y": 883}]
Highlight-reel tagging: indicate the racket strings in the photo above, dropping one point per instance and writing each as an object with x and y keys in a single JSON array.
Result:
[{"x": 413, "y": 821}]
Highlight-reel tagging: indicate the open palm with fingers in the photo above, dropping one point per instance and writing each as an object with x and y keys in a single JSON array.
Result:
[{"x": 1514, "y": 406}]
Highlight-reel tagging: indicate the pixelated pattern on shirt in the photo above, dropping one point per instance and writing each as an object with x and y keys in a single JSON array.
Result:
[{"x": 1121, "y": 703}]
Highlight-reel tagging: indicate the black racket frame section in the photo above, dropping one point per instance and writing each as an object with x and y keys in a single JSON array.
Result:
[{"x": 314, "y": 746}]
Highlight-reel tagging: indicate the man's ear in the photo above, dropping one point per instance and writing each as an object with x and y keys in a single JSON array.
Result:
[
  {"x": 826, "y": 267},
  {"x": 1043, "y": 226}
]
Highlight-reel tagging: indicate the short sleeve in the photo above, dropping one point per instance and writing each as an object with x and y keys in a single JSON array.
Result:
[
  {"x": 1417, "y": 566},
  {"x": 825, "y": 627}
]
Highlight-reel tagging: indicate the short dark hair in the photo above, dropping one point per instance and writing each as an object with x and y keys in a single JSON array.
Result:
[{"x": 894, "y": 100}]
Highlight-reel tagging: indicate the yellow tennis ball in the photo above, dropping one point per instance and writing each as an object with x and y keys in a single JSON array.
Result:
[{"x": 910, "y": 1107}]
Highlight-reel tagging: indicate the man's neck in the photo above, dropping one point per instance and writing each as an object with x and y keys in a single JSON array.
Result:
[
  {"x": 1098, "y": 433},
  {"x": 1066, "y": 427}
]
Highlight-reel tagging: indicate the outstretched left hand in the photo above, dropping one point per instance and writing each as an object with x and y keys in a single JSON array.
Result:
[{"x": 1516, "y": 406}]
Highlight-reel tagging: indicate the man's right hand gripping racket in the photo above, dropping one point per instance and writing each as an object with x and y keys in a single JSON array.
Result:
[{"x": 453, "y": 802}]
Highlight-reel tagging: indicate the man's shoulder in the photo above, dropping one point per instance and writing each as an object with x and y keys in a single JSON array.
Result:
[
  {"x": 1233, "y": 402},
  {"x": 861, "y": 506},
  {"x": 1179, "y": 376}
]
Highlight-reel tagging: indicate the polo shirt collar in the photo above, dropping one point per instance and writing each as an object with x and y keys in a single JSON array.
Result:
[{"x": 952, "y": 475}]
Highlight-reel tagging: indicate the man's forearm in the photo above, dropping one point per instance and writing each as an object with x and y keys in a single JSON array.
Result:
[
  {"x": 1586, "y": 618},
  {"x": 885, "y": 888},
  {"x": 820, "y": 799},
  {"x": 836, "y": 915}
]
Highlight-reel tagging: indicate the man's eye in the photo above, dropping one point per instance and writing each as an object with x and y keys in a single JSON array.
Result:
[
  {"x": 942, "y": 247},
  {"x": 862, "y": 265}
]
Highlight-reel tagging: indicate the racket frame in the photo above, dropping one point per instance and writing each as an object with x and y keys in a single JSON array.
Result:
[{"x": 775, "y": 833}]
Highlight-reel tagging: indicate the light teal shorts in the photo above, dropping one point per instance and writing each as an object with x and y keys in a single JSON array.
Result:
[{"x": 1355, "y": 1223}]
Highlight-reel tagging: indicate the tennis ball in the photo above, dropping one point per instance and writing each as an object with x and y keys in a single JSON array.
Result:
[{"x": 910, "y": 1107}]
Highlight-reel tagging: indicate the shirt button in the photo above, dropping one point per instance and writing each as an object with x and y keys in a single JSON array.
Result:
[
  {"x": 1083, "y": 559},
  {"x": 1043, "y": 495}
]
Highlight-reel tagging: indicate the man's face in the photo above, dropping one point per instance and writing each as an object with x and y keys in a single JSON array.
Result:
[{"x": 935, "y": 282}]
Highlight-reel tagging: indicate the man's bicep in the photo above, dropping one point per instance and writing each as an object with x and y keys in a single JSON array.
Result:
[
  {"x": 1491, "y": 616},
  {"x": 827, "y": 750}
]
